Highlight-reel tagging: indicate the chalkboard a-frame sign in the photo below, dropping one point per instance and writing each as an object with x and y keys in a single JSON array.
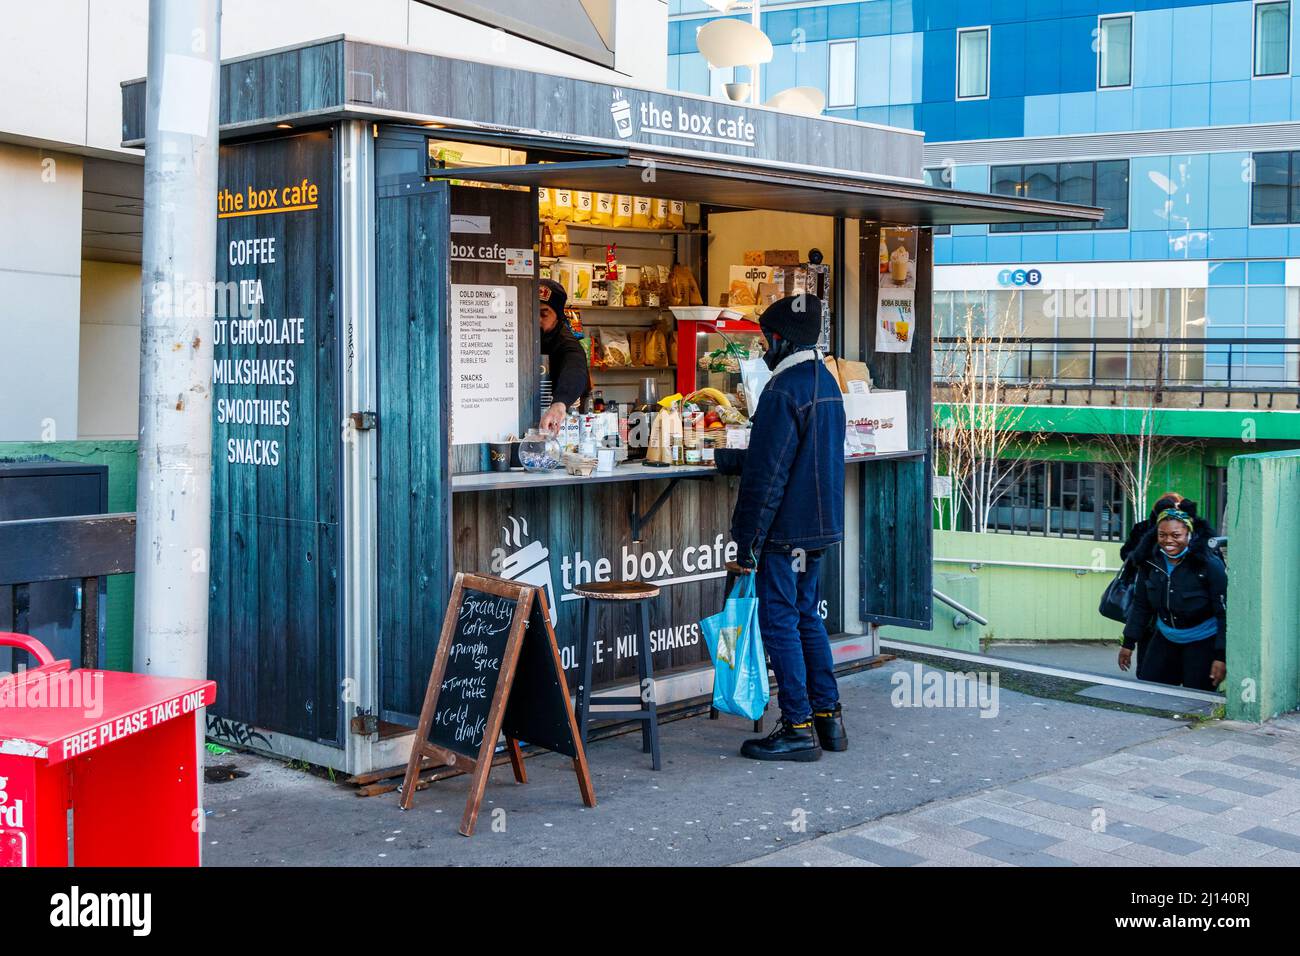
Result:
[{"x": 497, "y": 671}]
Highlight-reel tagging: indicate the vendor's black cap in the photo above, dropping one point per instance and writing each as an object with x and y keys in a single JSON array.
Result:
[
  {"x": 796, "y": 318},
  {"x": 550, "y": 292}
]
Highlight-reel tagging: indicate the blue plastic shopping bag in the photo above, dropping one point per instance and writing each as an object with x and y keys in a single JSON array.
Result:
[{"x": 739, "y": 664}]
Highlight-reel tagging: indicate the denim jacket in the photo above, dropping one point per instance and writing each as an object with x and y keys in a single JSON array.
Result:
[{"x": 792, "y": 482}]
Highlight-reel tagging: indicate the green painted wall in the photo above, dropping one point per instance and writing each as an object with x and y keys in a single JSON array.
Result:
[
  {"x": 1244, "y": 425},
  {"x": 1263, "y": 652},
  {"x": 120, "y": 457},
  {"x": 965, "y": 590},
  {"x": 1024, "y": 603}
]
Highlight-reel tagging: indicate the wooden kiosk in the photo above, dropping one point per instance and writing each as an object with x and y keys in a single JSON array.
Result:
[{"x": 343, "y": 507}]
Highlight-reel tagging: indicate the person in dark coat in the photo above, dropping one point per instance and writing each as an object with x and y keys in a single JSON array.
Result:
[
  {"x": 789, "y": 509},
  {"x": 1181, "y": 602},
  {"x": 569, "y": 376}
]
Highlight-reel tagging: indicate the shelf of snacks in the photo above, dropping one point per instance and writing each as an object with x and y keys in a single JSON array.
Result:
[
  {"x": 596, "y": 210},
  {"x": 649, "y": 231},
  {"x": 640, "y": 369}
]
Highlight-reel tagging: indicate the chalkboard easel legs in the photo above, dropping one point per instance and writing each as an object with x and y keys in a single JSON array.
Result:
[{"x": 516, "y": 760}]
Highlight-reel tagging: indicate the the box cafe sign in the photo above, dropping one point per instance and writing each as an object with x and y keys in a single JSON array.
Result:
[{"x": 653, "y": 117}]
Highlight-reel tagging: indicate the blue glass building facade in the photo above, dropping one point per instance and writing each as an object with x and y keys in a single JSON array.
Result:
[{"x": 1180, "y": 117}]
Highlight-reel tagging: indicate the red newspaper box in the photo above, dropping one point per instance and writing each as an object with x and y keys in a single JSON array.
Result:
[{"x": 120, "y": 751}]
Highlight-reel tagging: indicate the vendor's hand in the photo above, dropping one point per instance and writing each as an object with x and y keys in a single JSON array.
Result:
[
  {"x": 1218, "y": 671},
  {"x": 553, "y": 418},
  {"x": 1125, "y": 658}
]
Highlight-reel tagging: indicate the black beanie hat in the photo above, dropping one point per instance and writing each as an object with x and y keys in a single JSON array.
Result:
[
  {"x": 550, "y": 292},
  {"x": 796, "y": 318}
]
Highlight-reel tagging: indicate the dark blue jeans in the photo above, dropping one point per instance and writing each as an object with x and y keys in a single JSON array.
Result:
[{"x": 794, "y": 634}]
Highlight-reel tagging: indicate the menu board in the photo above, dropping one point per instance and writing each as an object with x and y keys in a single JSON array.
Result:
[
  {"x": 469, "y": 683},
  {"x": 497, "y": 671},
  {"x": 484, "y": 363}
]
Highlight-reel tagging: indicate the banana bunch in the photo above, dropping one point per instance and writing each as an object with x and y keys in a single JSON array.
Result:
[{"x": 710, "y": 395}]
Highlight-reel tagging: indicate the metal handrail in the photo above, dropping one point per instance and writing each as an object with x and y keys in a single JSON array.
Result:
[
  {"x": 1228, "y": 354},
  {"x": 959, "y": 608},
  {"x": 1077, "y": 568}
]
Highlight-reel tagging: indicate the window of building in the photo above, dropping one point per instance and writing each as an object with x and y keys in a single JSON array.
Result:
[
  {"x": 1063, "y": 499},
  {"x": 841, "y": 88},
  {"x": 1272, "y": 38},
  {"x": 1103, "y": 184},
  {"x": 1115, "y": 52},
  {"x": 719, "y": 77},
  {"x": 940, "y": 178},
  {"x": 973, "y": 63},
  {"x": 1275, "y": 189}
]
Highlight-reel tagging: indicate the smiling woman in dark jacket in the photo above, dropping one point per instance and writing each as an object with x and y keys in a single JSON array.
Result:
[{"x": 1181, "y": 600}]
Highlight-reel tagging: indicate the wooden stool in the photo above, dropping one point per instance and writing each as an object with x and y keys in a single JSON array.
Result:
[
  {"x": 632, "y": 593},
  {"x": 735, "y": 570}
]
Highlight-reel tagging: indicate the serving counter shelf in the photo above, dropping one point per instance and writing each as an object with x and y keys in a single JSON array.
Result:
[{"x": 636, "y": 471}]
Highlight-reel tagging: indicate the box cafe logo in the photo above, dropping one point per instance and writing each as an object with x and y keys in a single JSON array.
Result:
[
  {"x": 251, "y": 201},
  {"x": 677, "y": 120},
  {"x": 530, "y": 563}
]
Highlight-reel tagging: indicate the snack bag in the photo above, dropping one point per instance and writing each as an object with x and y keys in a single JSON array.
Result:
[
  {"x": 676, "y": 214},
  {"x": 582, "y": 205},
  {"x": 642, "y": 212},
  {"x": 659, "y": 214},
  {"x": 545, "y": 203},
  {"x": 563, "y": 203},
  {"x": 622, "y": 211},
  {"x": 559, "y": 240},
  {"x": 602, "y": 210},
  {"x": 618, "y": 351}
]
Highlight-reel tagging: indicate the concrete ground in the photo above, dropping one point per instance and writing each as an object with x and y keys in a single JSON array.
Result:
[
  {"x": 1091, "y": 657},
  {"x": 1220, "y": 795},
  {"x": 912, "y": 753}
]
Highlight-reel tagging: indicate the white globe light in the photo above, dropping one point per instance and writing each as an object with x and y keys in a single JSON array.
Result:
[
  {"x": 806, "y": 100},
  {"x": 727, "y": 43}
]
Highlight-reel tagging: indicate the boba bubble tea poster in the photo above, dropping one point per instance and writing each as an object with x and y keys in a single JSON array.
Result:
[{"x": 896, "y": 298}]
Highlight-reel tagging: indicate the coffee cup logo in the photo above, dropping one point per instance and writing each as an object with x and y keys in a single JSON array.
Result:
[
  {"x": 530, "y": 563},
  {"x": 621, "y": 110}
]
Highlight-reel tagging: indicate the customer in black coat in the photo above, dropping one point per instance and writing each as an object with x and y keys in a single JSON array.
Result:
[{"x": 1181, "y": 602}]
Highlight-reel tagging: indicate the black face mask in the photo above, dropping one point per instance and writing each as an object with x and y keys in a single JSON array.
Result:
[{"x": 778, "y": 350}]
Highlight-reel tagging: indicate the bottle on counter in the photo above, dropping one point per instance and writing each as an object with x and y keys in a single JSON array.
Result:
[
  {"x": 641, "y": 420},
  {"x": 598, "y": 401}
]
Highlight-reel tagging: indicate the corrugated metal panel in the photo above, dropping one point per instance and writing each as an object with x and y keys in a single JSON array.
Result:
[{"x": 1218, "y": 139}]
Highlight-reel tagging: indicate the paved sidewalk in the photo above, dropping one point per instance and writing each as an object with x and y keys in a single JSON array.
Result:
[
  {"x": 708, "y": 806},
  {"x": 1224, "y": 794}
]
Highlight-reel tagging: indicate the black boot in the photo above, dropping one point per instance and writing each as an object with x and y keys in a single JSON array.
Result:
[
  {"x": 786, "y": 742},
  {"x": 830, "y": 729}
]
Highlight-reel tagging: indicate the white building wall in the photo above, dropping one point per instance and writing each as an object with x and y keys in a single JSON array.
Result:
[
  {"x": 108, "y": 399},
  {"x": 62, "y": 61},
  {"x": 40, "y": 288}
]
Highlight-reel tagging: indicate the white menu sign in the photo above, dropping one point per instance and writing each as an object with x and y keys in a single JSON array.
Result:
[{"x": 484, "y": 365}]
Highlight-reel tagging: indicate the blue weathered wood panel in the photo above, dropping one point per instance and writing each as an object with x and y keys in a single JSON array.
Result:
[{"x": 414, "y": 540}]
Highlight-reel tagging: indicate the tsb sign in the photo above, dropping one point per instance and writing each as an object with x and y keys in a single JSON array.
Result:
[{"x": 1017, "y": 277}]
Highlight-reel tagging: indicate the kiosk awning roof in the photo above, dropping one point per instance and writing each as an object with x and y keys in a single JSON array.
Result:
[{"x": 744, "y": 186}]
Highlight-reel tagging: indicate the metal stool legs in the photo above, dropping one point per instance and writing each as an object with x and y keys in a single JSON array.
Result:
[
  {"x": 583, "y": 707},
  {"x": 647, "y": 688},
  {"x": 647, "y": 708}
]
